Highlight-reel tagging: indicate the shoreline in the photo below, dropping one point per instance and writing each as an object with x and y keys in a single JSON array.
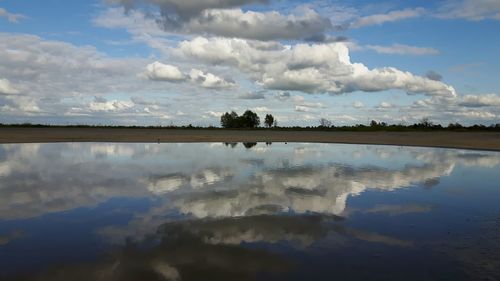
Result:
[{"x": 441, "y": 139}]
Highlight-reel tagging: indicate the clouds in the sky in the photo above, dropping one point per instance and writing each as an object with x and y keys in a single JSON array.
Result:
[
  {"x": 469, "y": 107},
  {"x": 473, "y": 10},
  {"x": 50, "y": 71},
  {"x": 224, "y": 18},
  {"x": 480, "y": 101},
  {"x": 11, "y": 17},
  {"x": 6, "y": 88},
  {"x": 256, "y": 25},
  {"x": 400, "y": 49},
  {"x": 358, "y": 104},
  {"x": 212, "y": 56},
  {"x": 310, "y": 68},
  {"x": 163, "y": 72},
  {"x": 391, "y": 16},
  {"x": 185, "y": 9},
  {"x": 252, "y": 96}
]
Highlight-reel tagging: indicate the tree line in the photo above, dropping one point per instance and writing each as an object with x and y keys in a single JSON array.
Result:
[{"x": 250, "y": 120}]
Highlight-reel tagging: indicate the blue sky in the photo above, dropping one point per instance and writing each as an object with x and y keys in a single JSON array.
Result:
[{"x": 107, "y": 62}]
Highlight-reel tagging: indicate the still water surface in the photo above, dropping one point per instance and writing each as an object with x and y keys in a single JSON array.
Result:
[{"x": 99, "y": 211}]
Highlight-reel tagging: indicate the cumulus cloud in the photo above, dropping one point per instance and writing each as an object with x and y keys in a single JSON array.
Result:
[
  {"x": 311, "y": 68},
  {"x": 480, "y": 100},
  {"x": 164, "y": 72},
  {"x": 392, "y": 16},
  {"x": 283, "y": 96},
  {"x": 256, "y": 25},
  {"x": 209, "y": 80},
  {"x": 213, "y": 114},
  {"x": 13, "y": 18},
  {"x": 158, "y": 71},
  {"x": 467, "y": 109},
  {"x": 300, "y": 108},
  {"x": 400, "y": 49},
  {"x": 252, "y": 96},
  {"x": 358, "y": 104},
  {"x": 6, "y": 88},
  {"x": 110, "y": 106},
  {"x": 303, "y": 106},
  {"x": 49, "y": 71},
  {"x": 183, "y": 9},
  {"x": 223, "y": 18},
  {"x": 385, "y": 105}
]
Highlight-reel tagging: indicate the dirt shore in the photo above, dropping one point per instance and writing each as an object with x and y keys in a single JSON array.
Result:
[{"x": 465, "y": 140}]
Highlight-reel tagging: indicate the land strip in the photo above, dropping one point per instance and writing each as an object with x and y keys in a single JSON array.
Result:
[{"x": 464, "y": 140}]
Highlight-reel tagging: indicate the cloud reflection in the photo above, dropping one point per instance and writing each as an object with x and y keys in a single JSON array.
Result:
[{"x": 216, "y": 185}]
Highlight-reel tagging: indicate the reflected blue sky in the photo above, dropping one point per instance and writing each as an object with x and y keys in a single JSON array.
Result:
[{"x": 275, "y": 211}]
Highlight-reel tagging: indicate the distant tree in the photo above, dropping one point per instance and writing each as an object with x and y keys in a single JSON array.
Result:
[
  {"x": 229, "y": 120},
  {"x": 269, "y": 121},
  {"x": 426, "y": 122},
  {"x": 325, "y": 123},
  {"x": 250, "y": 119},
  {"x": 231, "y": 144},
  {"x": 455, "y": 126},
  {"x": 249, "y": 145},
  {"x": 275, "y": 124},
  {"x": 373, "y": 123}
]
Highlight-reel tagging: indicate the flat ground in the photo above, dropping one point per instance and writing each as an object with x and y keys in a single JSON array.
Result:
[{"x": 466, "y": 140}]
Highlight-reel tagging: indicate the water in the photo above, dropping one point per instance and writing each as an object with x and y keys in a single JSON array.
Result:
[{"x": 101, "y": 211}]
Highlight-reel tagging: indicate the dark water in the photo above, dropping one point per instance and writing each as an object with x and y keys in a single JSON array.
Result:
[{"x": 248, "y": 212}]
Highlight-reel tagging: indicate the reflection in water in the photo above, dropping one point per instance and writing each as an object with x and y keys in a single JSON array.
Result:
[{"x": 162, "y": 212}]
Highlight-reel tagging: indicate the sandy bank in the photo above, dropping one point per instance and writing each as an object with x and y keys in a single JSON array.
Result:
[{"x": 466, "y": 140}]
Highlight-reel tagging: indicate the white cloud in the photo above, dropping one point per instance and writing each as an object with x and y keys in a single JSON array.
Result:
[
  {"x": 261, "y": 109},
  {"x": 392, "y": 16},
  {"x": 476, "y": 114},
  {"x": 252, "y": 96},
  {"x": 315, "y": 68},
  {"x": 473, "y": 10},
  {"x": 52, "y": 70},
  {"x": 300, "y": 108},
  {"x": 480, "y": 100},
  {"x": 385, "y": 105},
  {"x": 358, "y": 104},
  {"x": 209, "y": 80},
  {"x": 400, "y": 49},
  {"x": 164, "y": 72},
  {"x": 345, "y": 117},
  {"x": 158, "y": 71},
  {"x": 303, "y": 106},
  {"x": 6, "y": 88},
  {"x": 111, "y": 106},
  {"x": 213, "y": 114},
  {"x": 467, "y": 109},
  {"x": 13, "y": 18}
]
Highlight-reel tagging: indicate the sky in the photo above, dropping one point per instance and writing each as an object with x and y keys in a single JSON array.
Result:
[{"x": 179, "y": 62}]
